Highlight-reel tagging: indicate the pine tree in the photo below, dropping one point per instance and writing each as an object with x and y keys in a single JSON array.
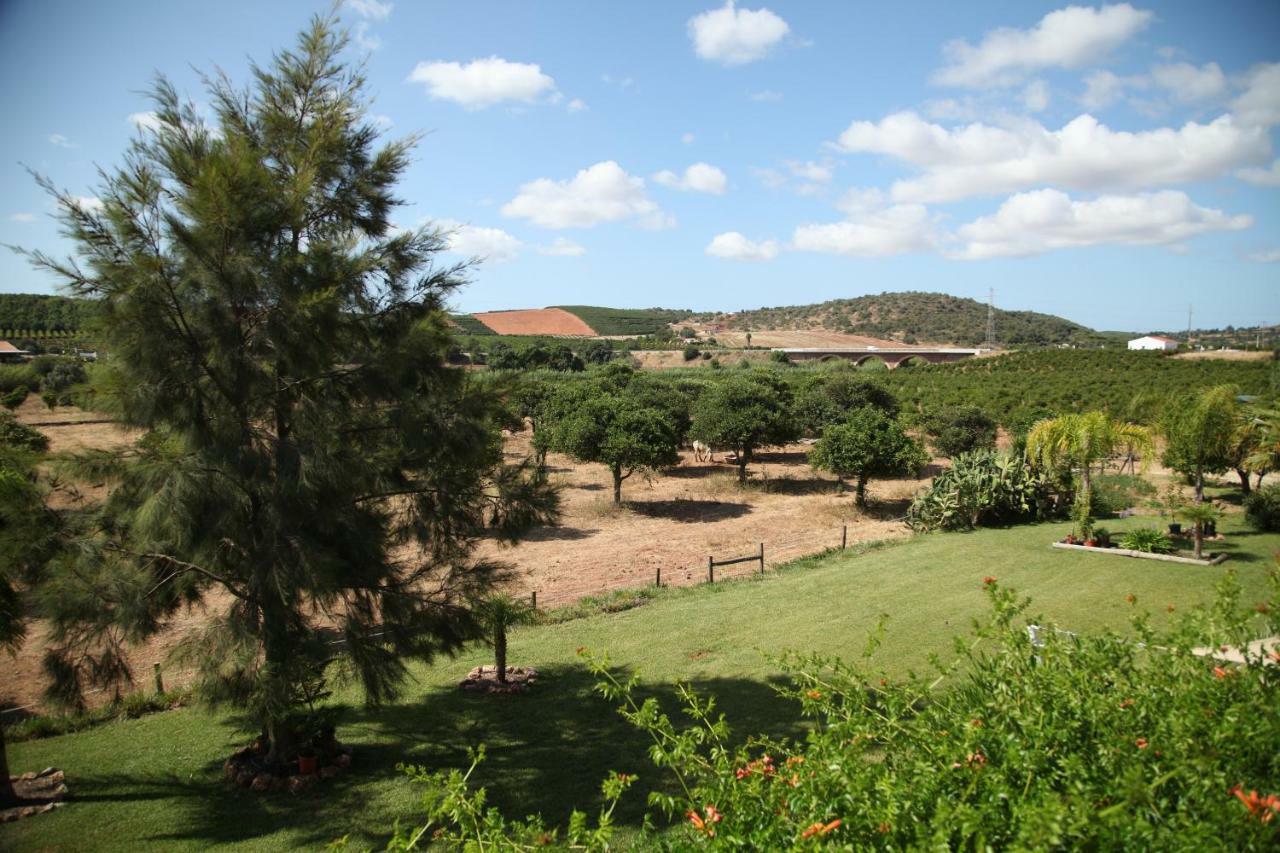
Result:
[{"x": 308, "y": 454}]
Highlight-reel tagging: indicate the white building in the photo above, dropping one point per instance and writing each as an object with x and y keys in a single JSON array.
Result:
[{"x": 1153, "y": 342}]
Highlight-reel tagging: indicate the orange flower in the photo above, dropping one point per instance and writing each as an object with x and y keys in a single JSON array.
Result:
[
  {"x": 1262, "y": 608},
  {"x": 883, "y": 828},
  {"x": 1170, "y": 608},
  {"x": 1127, "y": 703},
  {"x": 1141, "y": 742},
  {"x": 1274, "y": 655},
  {"x": 820, "y": 828},
  {"x": 580, "y": 650},
  {"x": 988, "y": 580},
  {"x": 1131, "y": 598},
  {"x": 1219, "y": 672},
  {"x": 705, "y": 825},
  {"x": 813, "y": 694},
  {"x": 1262, "y": 808},
  {"x": 976, "y": 723}
]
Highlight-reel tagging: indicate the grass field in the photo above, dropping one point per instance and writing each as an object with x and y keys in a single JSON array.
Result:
[{"x": 155, "y": 782}]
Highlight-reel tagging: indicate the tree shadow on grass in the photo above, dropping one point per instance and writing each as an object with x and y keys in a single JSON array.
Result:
[
  {"x": 689, "y": 511},
  {"x": 546, "y": 753},
  {"x": 800, "y": 486},
  {"x": 695, "y": 470}
]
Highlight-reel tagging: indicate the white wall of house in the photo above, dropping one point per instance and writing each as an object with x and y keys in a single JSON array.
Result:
[{"x": 1152, "y": 342}]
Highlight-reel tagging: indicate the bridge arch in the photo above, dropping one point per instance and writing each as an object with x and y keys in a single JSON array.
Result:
[
  {"x": 913, "y": 361},
  {"x": 872, "y": 363}
]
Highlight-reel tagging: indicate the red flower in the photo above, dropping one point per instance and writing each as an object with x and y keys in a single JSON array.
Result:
[
  {"x": 1141, "y": 742},
  {"x": 820, "y": 828},
  {"x": 988, "y": 580},
  {"x": 813, "y": 694},
  {"x": 1262, "y": 808},
  {"x": 1262, "y": 608}
]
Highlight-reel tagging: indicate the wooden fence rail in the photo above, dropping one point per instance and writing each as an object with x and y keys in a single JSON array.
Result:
[{"x": 712, "y": 563}]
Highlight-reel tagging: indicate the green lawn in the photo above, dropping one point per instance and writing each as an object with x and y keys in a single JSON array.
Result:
[{"x": 155, "y": 782}]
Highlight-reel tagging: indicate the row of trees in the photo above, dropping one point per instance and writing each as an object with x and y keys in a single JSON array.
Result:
[{"x": 631, "y": 421}]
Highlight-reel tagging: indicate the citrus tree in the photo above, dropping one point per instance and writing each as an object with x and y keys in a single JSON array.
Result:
[{"x": 867, "y": 444}]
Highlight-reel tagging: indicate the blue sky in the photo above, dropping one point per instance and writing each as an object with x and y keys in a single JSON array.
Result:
[{"x": 1112, "y": 164}]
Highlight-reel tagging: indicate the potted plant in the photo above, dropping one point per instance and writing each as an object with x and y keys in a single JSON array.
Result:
[{"x": 308, "y": 763}]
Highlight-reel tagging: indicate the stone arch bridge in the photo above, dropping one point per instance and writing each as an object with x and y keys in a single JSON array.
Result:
[{"x": 890, "y": 357}]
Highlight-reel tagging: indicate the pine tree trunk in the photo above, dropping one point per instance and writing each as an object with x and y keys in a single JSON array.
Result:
[
  {"x": 281, "y": 739},
  {"x": 860, "y": 492},
  {"x": 742, "y": 466},
  {"x": 500, "y": 653},
  {"x": 7, "y": 794}
]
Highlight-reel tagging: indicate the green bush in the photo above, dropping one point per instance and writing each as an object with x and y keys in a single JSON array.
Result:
[
  {"x": 15, "y": 398},
  {"x": 19, "y": 435},
  {"x": 961, "y": 429},
  {"x": 1149, "y": 540},
  {"x": 14, "y": 375},
  {"x": 1103, "y": 742},
  {"x": 983, "y": 488},
  {"x": 1262, "y": 508},
  {"x": 1112, "y": 493},
  {"x": 691, "y": 352}
]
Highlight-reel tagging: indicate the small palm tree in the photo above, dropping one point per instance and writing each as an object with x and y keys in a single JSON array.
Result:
[
  {"x": 1078, "y": 442},
  {"x": 498, "y": 614},
  {"x": 1199, "y": 514}
]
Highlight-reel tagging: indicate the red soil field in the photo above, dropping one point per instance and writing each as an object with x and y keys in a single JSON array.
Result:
[{"x": 535, "y": 321}]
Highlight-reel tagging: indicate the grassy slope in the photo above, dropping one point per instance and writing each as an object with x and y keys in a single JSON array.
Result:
[
  {"x": 155, "y": 782},
  {"x": 624, "y": 321}
]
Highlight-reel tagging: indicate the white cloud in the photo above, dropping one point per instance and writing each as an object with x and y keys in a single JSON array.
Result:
[
  {"x": 766, "y": 95},
  {"x": 1270, "y": 256},
  {"x": 483, "y": 82},
  {"x": 687, "y": 138},
  {"x": 810, "y": 171},
  {"x": 700, "y": 177},
  {"x": 562, "y": 247},
  {"x": 1102, "y": 88},
  {"x": 1187, "y": 83},
  {"x": 61, "y": 141},
  {"x": 1066, "y": 38},
  {"x": 734, "y": 36},
  {"x": 600, "y": 193},
  {"x": 1040, "y": 221},
  {"x": 576, "y": 105},
  {"x": 871, "y": 231},
  {"x": 373, "y": 9},
  {"x": 732, "y": 246},
  {"x": 365, "y": 39},
  {"x": 22, "y": 217},
  {"x": 147, "y": 121},
  {"x": 491, "y": 244},
  {"x": 1260, "y": 102},
  {"x": 88, "y": 203},
  {"x": 1268, "y": 177},
  {"x": 1035, "y": 97},
  {"x": 979, "y": 159},
  {"x": 771, "y": 178}
]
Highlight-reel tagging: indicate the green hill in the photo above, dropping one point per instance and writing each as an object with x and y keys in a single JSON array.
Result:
[
  {"x": 625, "y": 321},
  {"x": 915, "y": 316}
]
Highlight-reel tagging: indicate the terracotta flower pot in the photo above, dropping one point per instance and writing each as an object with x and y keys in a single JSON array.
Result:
[
  {"x": 1091, "y": 543},
  {"x": 307, "y": 764}
]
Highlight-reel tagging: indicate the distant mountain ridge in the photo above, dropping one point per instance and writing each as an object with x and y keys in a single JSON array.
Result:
[{"x": 915, "y": 317}]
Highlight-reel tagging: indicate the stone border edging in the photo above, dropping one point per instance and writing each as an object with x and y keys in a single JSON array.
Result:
[{"x": 1125, "y": 552}]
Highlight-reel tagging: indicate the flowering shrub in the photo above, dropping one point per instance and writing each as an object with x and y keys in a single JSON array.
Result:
[{"x": 1104, "y": 742}]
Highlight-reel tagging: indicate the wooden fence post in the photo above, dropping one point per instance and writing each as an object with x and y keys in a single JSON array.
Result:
[
  {"x": 533, "y": 599},
  {"x": 657, "y": 579},
  {"x": 844, "y": 536},
  {"x": 159, "y": 680},
  {"x": 711, "y": 569},
  {"x": 761, "y": 558}
]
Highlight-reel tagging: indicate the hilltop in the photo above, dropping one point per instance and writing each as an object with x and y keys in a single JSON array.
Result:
[{"x": 913, "y": 317}]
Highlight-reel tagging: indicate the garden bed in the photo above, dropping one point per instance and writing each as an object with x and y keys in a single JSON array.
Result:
[{"x": 1145, "y": 555}]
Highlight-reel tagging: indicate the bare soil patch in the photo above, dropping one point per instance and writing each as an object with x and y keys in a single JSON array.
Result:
[
  {"x": 535, "y": 321},
  {"x": 1226, "y": 355}
]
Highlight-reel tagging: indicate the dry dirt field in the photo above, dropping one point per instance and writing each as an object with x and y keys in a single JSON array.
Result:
[
  {"x": 672, "y": 522},
  {"x": 535, "y": 321},
  {"x": 1227, "y": 355}
]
